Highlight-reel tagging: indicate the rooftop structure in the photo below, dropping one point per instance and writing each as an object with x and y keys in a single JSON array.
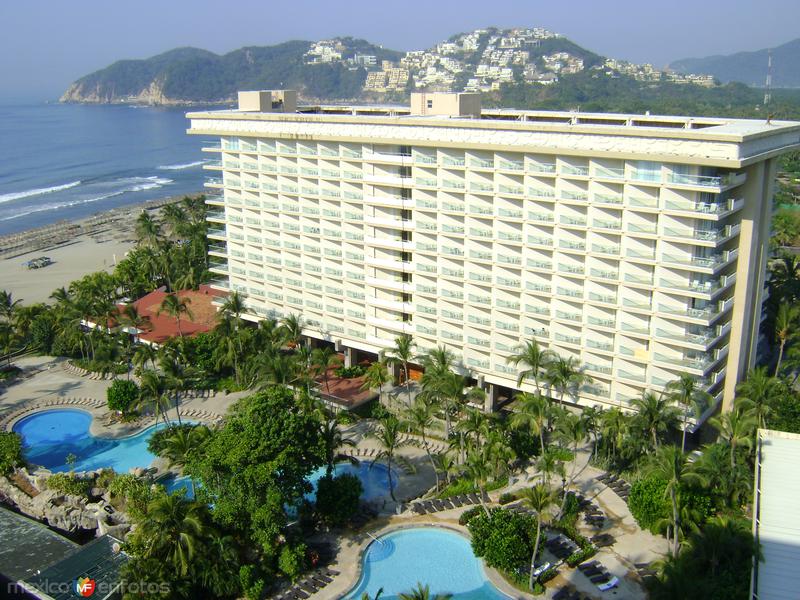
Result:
[
  {"x": 635, "y": 244},
  {"x": 776, "y": 516},
  {"x": 163, "y": 326}
]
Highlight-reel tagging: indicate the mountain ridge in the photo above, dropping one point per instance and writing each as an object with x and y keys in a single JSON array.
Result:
[{"x": 749, "y": 67}]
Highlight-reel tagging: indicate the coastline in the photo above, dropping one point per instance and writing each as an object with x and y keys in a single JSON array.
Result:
[{"x": 77, "y": 248}]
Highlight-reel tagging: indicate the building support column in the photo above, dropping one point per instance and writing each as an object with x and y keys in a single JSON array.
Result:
[
  {"x": 492, "y": 396},
  {"x": 349, "y": 356}
]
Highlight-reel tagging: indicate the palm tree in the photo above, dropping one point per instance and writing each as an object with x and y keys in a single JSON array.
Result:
[
  {"x": 539, "y": 499},
  {"x": 531, "y": 412},
  {"x": 375, "y": 377},
  {"x": 534, "y": 358},
  {"x": 685, "y": 392},
  {"x": 671, "y": 465},
  {"x": 175, "y": 306},
  {"x": 323, "y": 359},
  {"x": 7, "y": 306},
  {"x": 571, "y": 432},
  {"x": 565, "y": 375},
  {"x": 551, "y": 462},
  {"x": 423, "y": 593},
  {"x": 479, "y": 471},
  {"x": 419, "y": 417},
  {"x": 233, "y": 307},
  {"x": 332, "y": 438},
  {"x": 785, "y": 322},
  {"x": 736, "y": 428},
  {"x": 147, "y": 229},
  {"x": 445, "y": 463},
  {"x": 183, "y": 444},
  {"x": 402, "y": 353},
  {"x": 592, "y": 419},
  {"x": 174, "y": 530},
  {"x": 151, "y": 391},
  {"x": 387, "y": 435},
  {"x": 760, "y": 391},
  {"x": 292, "y": 326},
  {"x": 654, "y": 414}
]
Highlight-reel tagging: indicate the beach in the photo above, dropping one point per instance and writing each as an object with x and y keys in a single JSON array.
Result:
[{"x": 76, "y": 248}]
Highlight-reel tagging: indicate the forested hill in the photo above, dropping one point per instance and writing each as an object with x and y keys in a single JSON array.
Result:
[
  {"x": 750, "y": 67},
  {"x": 193, "y": 76}
]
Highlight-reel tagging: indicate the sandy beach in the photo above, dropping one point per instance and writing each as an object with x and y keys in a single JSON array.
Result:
[{"x": 76, "y": 248}]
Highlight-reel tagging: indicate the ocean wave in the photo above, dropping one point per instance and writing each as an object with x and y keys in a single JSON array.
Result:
[
  {"x": 140, "y": 184},
  {"x": 196, "y": 163},
  {"x": 37, "y": 192}
]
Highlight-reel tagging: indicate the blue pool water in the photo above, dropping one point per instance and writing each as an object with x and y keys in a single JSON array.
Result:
[
  {"x": 48, "y": 437},
  {"x": 374, "y": 479},
  {"x": 178, "y": 484},
  {"x": 441, "y": 559}
]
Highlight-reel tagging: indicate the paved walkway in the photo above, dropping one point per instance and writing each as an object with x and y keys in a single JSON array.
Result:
[{"x": 46, "y": 383}]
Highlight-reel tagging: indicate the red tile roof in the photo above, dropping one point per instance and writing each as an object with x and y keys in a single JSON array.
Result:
[{"x": 163, "y": 326}]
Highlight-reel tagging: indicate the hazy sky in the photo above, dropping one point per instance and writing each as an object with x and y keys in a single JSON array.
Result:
[{"x": 46, "y": 44}]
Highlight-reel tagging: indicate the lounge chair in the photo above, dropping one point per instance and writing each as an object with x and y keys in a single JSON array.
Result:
[
  {"x": 608, "y": 584},
  {"x": 474, "y": 498},
  {"x": 456, "y": 500}
]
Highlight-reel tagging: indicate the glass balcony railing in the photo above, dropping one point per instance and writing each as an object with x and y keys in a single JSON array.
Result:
[
  {"x": 609, "y": 172},
  {"x": 581, "y": 171},
  {"x": 538, "y": 167},
  {"x": 607, "y": 199}
]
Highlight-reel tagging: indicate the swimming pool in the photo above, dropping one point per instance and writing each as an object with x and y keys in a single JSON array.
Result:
[
  {"x": 374, "y": 479},
  {"x": 49, "y": 437},
  {"x": 441, "y": 559}
]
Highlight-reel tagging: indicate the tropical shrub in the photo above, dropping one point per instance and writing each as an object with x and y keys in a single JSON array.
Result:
[
  {"x": 122, "y": 395},
  {"x": 157, "y": 441},
  {"x": 292, "y": 560},
  {"x": 469, "y": 514},
  {"x": 503, "y": 538},
  {"x": 581, "y": 555},
  {"x": 133, "y": 494},
  {"x": 66, "y": 483},
  {"x": 10, "y": 451},
  {"x": 251, "y": 579},
  {"x": 337, "y": 498},
  {"x": 548, "y": 575},
  {"x": 506, "y": 497},
  {"x": 9, "y": 372},
  {"x": 650, "y": 504},
  {"x": 349, "y": 372}
]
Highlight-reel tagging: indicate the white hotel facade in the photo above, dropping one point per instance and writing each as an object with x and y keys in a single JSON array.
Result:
[{"x": 636, "y": 244}]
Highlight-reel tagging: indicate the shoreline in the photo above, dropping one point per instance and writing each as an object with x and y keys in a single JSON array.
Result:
[
  {"x": 75, "y": 248},
  {"x": 67, "y": 231}
]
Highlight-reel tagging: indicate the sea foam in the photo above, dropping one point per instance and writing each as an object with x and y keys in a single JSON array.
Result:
[
  {"x": 181, "y": 167},
  {"x": 37, "y": 192}
]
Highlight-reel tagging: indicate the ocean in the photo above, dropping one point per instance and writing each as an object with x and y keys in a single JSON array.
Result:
[{"x": 67, "y": 161}]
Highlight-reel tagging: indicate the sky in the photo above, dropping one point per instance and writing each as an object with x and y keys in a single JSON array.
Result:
[{"x": 47, "y": 44}]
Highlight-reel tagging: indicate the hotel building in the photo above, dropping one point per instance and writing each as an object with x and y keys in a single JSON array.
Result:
[{"x": 636, "y": 244}]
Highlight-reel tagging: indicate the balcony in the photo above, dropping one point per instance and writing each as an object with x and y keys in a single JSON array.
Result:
[
  {"x": 576, "y": 221},
  {"x": 481, "y": 187},
  {"x": 449, "y": 161},
  {"x": 215, "y": 181},
  {"x": 607, "y": 199},
  {"x": 606, "y": 224},
  {"x": 604, "y": 346},
  {"x": 216, "y": 215},
  {"x": 217, "y": 232},
  {"x": 570, "y": 245},
  {"x": 609, "y": 249},
  {"x": 540, "y": 217},
  {"x": 396, "y": 180},
  {"x": 542, "y": 168},
  {"x": 398, "y": 158},
  {"x": 707, "y": 181},
  {"x": 579, "y": 171},
  {"x": 218, "y": 249},
  {"x": 604, "y": 274},
  {"x": 424, "y": 159},
  {"x": 511, "y": 165},
  {"x": 609, "y": 172}
]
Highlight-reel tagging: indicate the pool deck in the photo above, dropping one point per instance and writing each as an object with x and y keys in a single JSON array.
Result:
[{"x": 47, "y": 384}]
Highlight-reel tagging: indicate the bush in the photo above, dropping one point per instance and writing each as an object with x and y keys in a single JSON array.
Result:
[
  {"x": 157, "y": 441},
  {"x": 468, "y": 514},
  {"x": 122, "y": 395},
  {"x": 651, "y": 506},
  {"x": 252, "y": 581},
  {"x": 581, "y": 555},
  {"x": 465, "y": 485},
  {"x": 101, "y": 366},
  {"x": 502, "y": 539},
  {"x": 66, "y": 483},
  {"x": 547, "y": 575},
  {"x": 337, "y": 498},
  {"x": 10, "y": 451},
  {"x": 349, "y": 372},
  {"x": 292, "y": 560},
  {"x": 134, "y": 493},
  {"x": 105, "y": 478},
  {"x": 506, "y": 497},
  {"x": 227, "y": 384},
  {"x": 9, "y": 372}
]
